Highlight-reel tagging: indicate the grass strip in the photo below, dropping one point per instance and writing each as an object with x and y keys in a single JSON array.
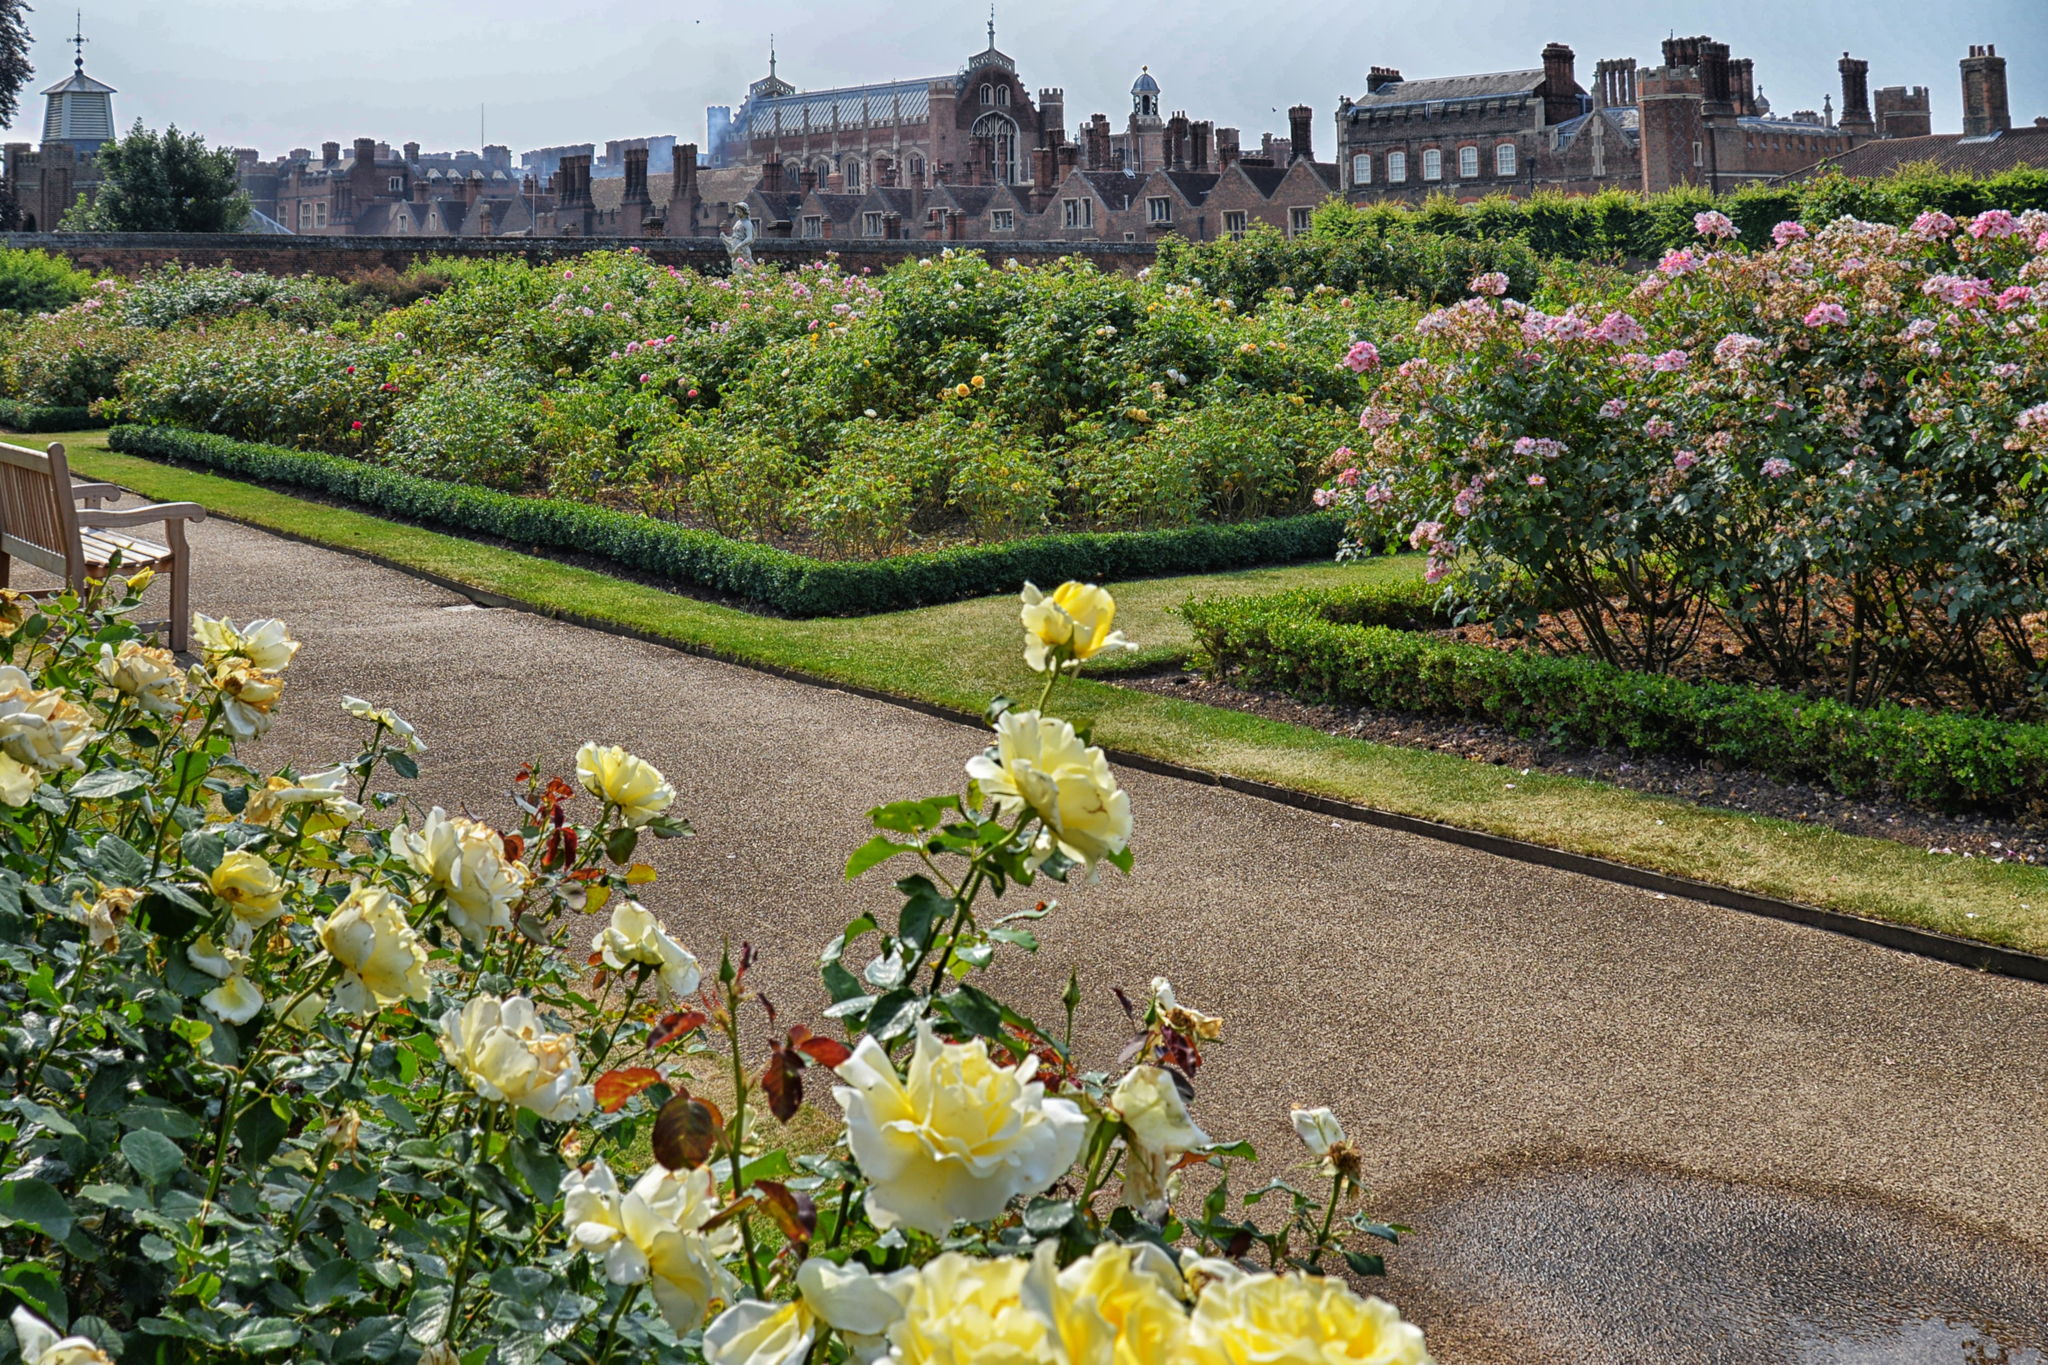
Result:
[{"x": 959, "y": 654}]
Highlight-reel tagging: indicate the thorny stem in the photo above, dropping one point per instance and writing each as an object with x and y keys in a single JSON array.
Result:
[
  {"x": 485, "y": 1131},
  {"x": 1329, "y": 1218},
  {"x": 611, "y": 1326}
]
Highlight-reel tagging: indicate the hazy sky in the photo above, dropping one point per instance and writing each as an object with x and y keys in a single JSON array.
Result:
[{"x": 277, "y": 74}]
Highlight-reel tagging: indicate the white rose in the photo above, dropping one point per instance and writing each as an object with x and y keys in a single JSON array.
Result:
[
  {"x": 40, "y": 728},
  {"x": 395, "y": 724},
  {"x": 505, "y": 1055},
  {"x": 327, "y": 790},
  {"x": 381, "y": 958},
  {"x": 955, "y": 1139},
  {"x": 264, "y": 644},
  {"x": 248, "y": 695},
  {"x": 1039, "y": 764},
  {"x": 236, "y": 999},
  {"x": 40, "y": 1344},
  {"x": 466, "y": 859},
  {"x": 148, "y": 676},
  {"x": 635, "y": 938}
]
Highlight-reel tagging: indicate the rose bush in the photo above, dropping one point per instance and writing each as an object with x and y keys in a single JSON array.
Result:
[
  {"x": 1831, "y": 449},
  {"x": 296, "y": 1069}
]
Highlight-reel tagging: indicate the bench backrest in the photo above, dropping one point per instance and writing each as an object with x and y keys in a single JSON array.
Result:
[{"x": 38, "y": 520}]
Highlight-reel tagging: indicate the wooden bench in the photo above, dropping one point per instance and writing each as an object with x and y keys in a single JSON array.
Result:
[{"x": 42, "y": 523}]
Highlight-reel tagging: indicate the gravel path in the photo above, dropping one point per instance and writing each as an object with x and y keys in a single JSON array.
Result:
[{"x": 1472, "y": 1020}]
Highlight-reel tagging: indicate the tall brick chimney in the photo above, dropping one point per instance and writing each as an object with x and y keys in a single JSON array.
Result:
[
  {"x": 1714, "y": 86},
  {"x": 1095, "y": 155},
  {"x": 1742, "y": 79},
  {"x": 1177, "y": 142},
  {"x": 1560, "y": 87},
  {"x": 1903, "y": 112},
  {"x": 1201, "y": 138},
  {"x": 412, "y": 153},
  {"x": 1226, "y": 148},
  {"x": 330, "y": 154},
  {"x": 771, "y": 176},
  {"x": 1614, "y": 83},
  {"x": 1984, "y": 105},
  {"x": 1052, "y": 115},
  {"x": 806, "y": 180},
  {"x": 683, "y": 176},
  {"x": 1855, "y": 117},
  {"x": 1301, "y": 121},
  {"x": 1380, "y": 77},
  {"x": 1044, "y": 169},
  {"x": 636, "y": 178}
]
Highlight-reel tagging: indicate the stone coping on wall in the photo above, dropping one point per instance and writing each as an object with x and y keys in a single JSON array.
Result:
[{"x": 127, "y": 253}]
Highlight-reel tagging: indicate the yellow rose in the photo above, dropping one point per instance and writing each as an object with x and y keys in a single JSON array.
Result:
[
  {"x": 147, "y": 676},
  {"x": 1119, "y": 1305},
  {"x": 1158, "y": 1132},
  {"x": 1038, "y": 763},
  {"x": 653, "y": 1235},
  {"x": 954, "y": 1139},
  {"x": 635, "y": 938},
  {"x": 977, "y": 381},
  {"x": 1069, "y": 626},
  {"x": 752, "y": 1332},
  {"x": 506, "y": 1057},
  {"x": 619, "y": 779},
  {"x": 40, "y": 1344},
  {"x": 1297, "y": 1320},
  {"x": 395, "y": 724},
  {"x": 40, "y": 728},
  {"x": 381, "y": 959},
  {"x": 261, "y": 644},
  {"x": 250, "y": 886},
  {"x": 466, "y": 859},
  {"x": 961, "y": 1311},
  {"x": 961, "y": 390},
  {"x": 18, "y": 781}
]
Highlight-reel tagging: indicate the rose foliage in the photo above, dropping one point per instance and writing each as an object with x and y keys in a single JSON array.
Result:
[
  {"x": 1829, "y": 448},
  {"x": 293, "y": 1067}
]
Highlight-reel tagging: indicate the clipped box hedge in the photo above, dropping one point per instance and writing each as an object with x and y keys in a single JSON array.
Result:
[
  {"x": 793, "y": 584},
  {"x": 1359, "y": 647},
  {"x": 16, "y": 415}
]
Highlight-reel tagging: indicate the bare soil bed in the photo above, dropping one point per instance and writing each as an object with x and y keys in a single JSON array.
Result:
[{"x": 1707, "y": 782}]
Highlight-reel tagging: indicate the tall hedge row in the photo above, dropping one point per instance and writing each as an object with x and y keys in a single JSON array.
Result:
[
  {"x": 792, "y": 584},
  {"x": 1337, "y": 647},
  {"x": 16, "y": 415}
]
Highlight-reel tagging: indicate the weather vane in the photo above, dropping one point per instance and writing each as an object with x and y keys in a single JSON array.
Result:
[{"x": 79, "y": 40}]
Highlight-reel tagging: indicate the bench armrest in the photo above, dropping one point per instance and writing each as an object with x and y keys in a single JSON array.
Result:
[
  {"x": 141, "y": 516},
  {"x": 95, "y": 490}
]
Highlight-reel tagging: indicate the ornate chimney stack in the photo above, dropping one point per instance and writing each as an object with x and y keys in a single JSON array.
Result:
[
  {"x": 1560, "y": 87},
  {"x": 1855, "y": 116},
  {"x": 1301, "y": 122},
  {"x": 1984, "y": 104}
]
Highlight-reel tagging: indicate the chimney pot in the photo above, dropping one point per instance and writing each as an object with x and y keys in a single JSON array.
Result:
[{"x": 1985, "y": 109}]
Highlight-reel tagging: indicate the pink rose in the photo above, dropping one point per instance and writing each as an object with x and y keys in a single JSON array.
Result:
[
  {"x": 1715, "y": 224},
  {"x": 1826, "y": 314},
  {"x": 1788, "y": 232},
  {"x": 1777, "y": 467},
  {"x": 1362, "y": 356},
  {"x": 1684, "y": 460}
]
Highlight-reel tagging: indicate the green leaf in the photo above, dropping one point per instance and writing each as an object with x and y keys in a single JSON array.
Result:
[
  {"x": 260, "y": 1129},
  {"x": 36, "y": 1204},
  {"x": 877, "y": 850},
  {"x": 924, "y": 905},
  {"x": 118, "y": 862},
  {"x": 260, "y": 1336},
  {"x": 402, "y": 764},
  {"x": 46, "y": 1116},
  {"x": 335, "y": 1279},
  {"x": 620, "y": 843},
  {"x": 154, "y": 1157},
  {"x": 974, "y": 1011},
  {"x": 1362, "y": 1264},
  {"x": 203, "y": 851},
  {"x": 106, "y": 782},
  {"x": 427, "y": 1315},
  {"x": 894, "y": 1015},
  {"x": 37, "y": 1285},
  {"x": 1043, "y": 1217}
]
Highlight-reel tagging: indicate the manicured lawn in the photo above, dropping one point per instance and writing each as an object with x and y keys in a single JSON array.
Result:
[{"x": 959, "y": 654}]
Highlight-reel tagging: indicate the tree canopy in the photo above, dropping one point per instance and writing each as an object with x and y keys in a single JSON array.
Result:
[
  {"x": 15, "y": 67},
  {"x": 162, "y": 182}
]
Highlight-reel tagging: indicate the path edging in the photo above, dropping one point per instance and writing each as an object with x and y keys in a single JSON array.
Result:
[{"x": 1929, "y": 943}]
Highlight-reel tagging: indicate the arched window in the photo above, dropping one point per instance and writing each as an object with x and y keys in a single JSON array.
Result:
[
  {"x": 1504, "y": 159},
  {"x": 1002, "y": 144},
  {"x": 1432, "y": 164},
  {"x": 1397, "y": 167},
  {"x": 917, "y": 170},
  {"x": 1361, "y": 168},
  {"x": 1468, "y": 163},
  {"x": 988, "y": 94},
  {"x": 1002, "y": 94},
  {"x": 852, "y": 173}
]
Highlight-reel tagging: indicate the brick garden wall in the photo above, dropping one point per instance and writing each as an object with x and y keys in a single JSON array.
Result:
[{"x": 130, "y": 253}]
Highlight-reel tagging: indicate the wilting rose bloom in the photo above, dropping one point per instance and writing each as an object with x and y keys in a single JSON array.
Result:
[
  {"x": 466, "y": 860},
  {"x": 1777, "y": 467},
  {"x": 236, "y": 999},
  {"x": 1715, "y": 224},
  {"x": 506, "y": 1057},
  {"x": 633, "y": 785},
  {"x": 1493, "y": 284},
  {"x": 653, "y": 1234},
  {"x": 859, "y": 1304},
  {"x": 1788, "y": 232},
  {"x": 250, "y": 886},
  {"x": 1158, "y": 1132},
  {"x": 1362, "y": 356},
  {"x": 326, "y": 790},
  {"x": 1068, "y": 626},
  {"x": 40, "y": 1344},
  {"x": 147, "y": 676},
  {"x": 262, "y": 644},
  {"x": 248, "y": 695},
  {"x": 1039, "y": 764},
  {"x": 635, "y": 938},
  {"x": 103, "y": 917},
  {"x": 956, "y": 1137},
  {"x": 1306, "y": 1318},
  {"x": 393, "y": 723},
  {"x": 382, "y": 960},
  {"x": 41, "y": 730}
]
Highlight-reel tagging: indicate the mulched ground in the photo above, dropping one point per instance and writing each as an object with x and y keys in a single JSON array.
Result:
[{"x": 1705, "y": 782}]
